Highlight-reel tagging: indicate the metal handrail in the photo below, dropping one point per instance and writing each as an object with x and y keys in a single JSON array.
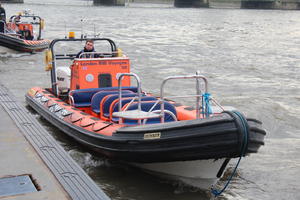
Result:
[
  {"x": 27, "y": 15},
  {"x": 129, "y": 104},
  {"x": 64, "y": 56},
  {"x": 198, "y": 91},
  {"x": 95, "y": 53},
  {"x": 71, "y": 98},
  {"x": 159, "y": 112},
  {"x": 119, "y": 77}
]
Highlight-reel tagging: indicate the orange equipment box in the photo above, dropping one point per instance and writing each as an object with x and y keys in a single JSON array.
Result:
[{"x": 98, "y": 72}]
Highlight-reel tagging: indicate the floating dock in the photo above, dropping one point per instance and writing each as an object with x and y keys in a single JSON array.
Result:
[{"x": 33, "y": 165}]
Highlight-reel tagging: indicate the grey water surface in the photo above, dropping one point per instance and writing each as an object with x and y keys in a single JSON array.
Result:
[{"x": 250, "y": 57}]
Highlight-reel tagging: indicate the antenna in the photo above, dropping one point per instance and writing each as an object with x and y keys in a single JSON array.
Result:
[
  {"x": 66, "y": 30},
  {"x": 95, "y": 30},
  {"x": 81, "y": 28}
]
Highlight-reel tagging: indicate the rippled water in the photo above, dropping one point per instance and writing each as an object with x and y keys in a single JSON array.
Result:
[{"x": 251, "y": 59}]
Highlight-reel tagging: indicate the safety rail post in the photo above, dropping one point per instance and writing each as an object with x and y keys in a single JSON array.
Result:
[
  {"x": 119, "y": 77},
  {"x": 198, "y": 92}
]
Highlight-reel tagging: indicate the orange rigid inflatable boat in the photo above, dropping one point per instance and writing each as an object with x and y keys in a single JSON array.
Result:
[
  {"x": 94, "y": 102},
  {"x": 23, "y": 33}
]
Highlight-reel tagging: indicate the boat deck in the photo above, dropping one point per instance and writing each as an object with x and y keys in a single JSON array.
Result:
[{"x": 27, "y": 150}]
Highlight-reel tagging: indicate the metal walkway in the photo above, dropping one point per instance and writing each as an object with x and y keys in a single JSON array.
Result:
[{"x": 71, "y": 176}]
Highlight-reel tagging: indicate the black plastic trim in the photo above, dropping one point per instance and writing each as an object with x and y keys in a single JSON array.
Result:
[{"x": 211, "y": 138}]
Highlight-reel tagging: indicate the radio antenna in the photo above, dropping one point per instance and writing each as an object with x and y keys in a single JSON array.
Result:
[{"x": 81, "y": 28}]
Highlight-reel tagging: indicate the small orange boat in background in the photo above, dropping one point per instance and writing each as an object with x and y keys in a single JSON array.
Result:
[
  {"x": 94, "y": 102},
  {"x": 20, "y": 33}
]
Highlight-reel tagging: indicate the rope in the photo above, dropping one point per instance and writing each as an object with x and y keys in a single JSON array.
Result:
[
  {"x": 206, "y": 105},
  {"x": 216, "y": 192}
]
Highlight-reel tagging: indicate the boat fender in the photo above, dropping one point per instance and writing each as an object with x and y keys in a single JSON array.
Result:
[
  {"x": 42, "y": 24},
  {"x": 32, "y": 92},
  {"x": 119, "y": 52},
  {"x": 48, "y": 60}
]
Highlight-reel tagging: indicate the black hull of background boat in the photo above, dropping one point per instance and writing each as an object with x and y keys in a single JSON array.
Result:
[
  {"x": 217, "y": 137},
  {"x": 19, "y": 45}
]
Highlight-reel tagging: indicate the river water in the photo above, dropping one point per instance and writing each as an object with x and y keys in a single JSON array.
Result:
[{"x": 251, "y": 59}]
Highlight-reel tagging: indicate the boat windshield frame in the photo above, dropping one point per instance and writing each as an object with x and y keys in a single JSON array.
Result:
[
  {"x": 72, "y": 56},
  {"x": 33, "y": 17}
]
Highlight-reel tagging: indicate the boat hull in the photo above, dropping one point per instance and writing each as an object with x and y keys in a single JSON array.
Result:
[
  {"x": 201, "y": 139},
  {"x": 195, "y": 152},
  {"x": 198, "y": 173},
  {"x": 21, "y": 45}
]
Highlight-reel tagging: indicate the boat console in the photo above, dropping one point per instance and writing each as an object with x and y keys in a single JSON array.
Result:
[{"x": 98, "y": 72}]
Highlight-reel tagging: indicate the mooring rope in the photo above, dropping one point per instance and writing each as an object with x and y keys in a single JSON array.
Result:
[
  {"x": 206, "y": 111},
  {"x": 216, "y": 192}
]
